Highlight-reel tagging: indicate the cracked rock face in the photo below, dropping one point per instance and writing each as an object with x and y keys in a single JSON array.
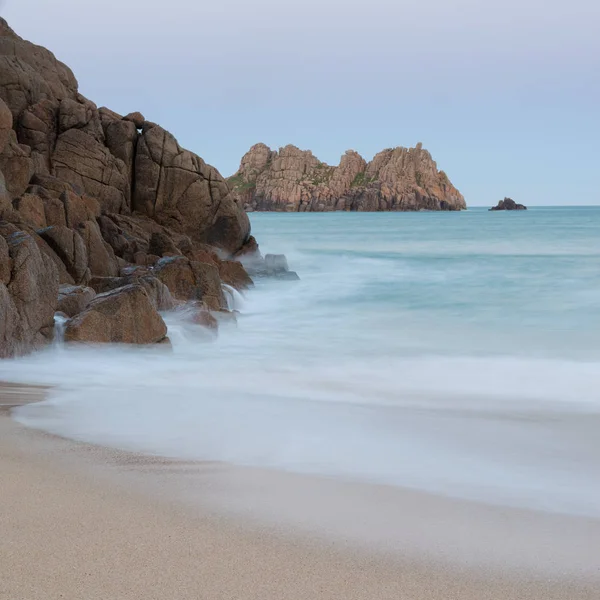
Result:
[
  {"x": 87, "y": 195},
  {"x": 125, "y": 163},
  {"x": 397, "y": 179},
  {"x": 28, "y": 293},
  {"x": 178, "y": 189}
]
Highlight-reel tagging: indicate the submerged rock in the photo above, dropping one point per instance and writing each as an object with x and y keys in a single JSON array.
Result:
[
  {"x": 508, "y": 204},
  {"x": 125, "y": 315},
  {"x": 204, "y": 318}
]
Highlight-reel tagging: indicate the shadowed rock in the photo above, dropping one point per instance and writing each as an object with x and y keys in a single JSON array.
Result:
[
  {"x": 101, "y": 258},
  {"x": 178, "y": 189},
  {"x": 508, "y": 204},
  {"x": 28, "y": 293},
  {"x": 71, "y": 249}
]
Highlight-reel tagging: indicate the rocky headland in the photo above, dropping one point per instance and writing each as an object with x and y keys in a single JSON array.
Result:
[
  {"x": 103, "y": 217},
  {"x": 508, "y": 204},
  {"x": 294, "y": 180}
]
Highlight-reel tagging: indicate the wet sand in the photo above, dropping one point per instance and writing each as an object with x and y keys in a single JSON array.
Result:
[{"x": 79, "y": 521}]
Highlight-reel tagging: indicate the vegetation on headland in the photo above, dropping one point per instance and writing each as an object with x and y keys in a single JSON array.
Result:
[
  {"x": 362, "y": 179},
  {"x": 239, "y": 184}
]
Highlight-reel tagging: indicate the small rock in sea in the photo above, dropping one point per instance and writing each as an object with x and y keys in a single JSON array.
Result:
[
  {"x": 508, "y": 204},
  {"x": 272, "y": 265}
]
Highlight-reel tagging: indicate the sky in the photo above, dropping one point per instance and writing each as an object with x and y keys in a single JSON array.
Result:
[{"x": 505, "y": 94}]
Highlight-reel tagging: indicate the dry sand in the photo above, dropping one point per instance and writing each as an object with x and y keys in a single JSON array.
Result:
[{"x": 75, "y": 524}]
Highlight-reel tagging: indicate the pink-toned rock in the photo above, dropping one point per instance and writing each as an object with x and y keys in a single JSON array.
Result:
[{"x": 295, "y": 180}]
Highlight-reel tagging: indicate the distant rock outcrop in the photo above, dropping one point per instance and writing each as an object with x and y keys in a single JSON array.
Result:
[
  {"x": 294, "y": 180},
  {"x": 508, "y": 204}
]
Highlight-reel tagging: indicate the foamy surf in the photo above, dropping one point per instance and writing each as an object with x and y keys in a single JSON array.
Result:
[{"x": 468, "y": 376}]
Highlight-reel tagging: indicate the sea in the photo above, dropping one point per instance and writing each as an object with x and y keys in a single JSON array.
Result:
[{"x": 455, "y": 353}]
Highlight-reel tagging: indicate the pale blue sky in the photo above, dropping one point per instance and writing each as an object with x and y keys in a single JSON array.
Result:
[{"x": 504, "y": 93}]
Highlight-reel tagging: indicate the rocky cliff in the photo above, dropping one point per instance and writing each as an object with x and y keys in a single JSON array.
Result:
[
  {"x": 95, "y": 202},
  {"x": 397, "y": 179}
]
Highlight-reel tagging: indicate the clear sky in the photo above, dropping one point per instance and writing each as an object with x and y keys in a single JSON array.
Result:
[{"x": 504, "y": 93}]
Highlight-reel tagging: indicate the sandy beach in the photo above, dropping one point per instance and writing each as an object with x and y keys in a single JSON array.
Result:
[{"x": 78, "y": 522}]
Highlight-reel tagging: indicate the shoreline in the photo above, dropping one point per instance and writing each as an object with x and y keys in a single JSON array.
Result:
[{"x": 121, "y": 525}]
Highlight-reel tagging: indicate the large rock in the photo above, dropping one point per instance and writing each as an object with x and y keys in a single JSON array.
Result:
[
  {"x": 101, "y": 258},
  {"x": 71, "y": 249},
  {"x": 38, "y": 128},
  {"x": 83, "y": 161},
  {"x": 188, "y": 280},
  {"x": 6, "y": 123},
  {"x": 73, "y": 299},
  {"x": 233, "y": 273},
  {"x": 54, "y": 208},
  {"x": 5, "y": 262},
  {"x": 32, "y": 210},
  {"x": 95, "y": 193},
  {"x": 137, "y": 118},
  {"x": 79, "y": 209},
  {"x": 130, "y": 235},
  {"x": 125, "y": 315},
  {"x": 295, "y": 180},
  {"x": 179, "y": 190},
  {"x": 28, "y": 294},
  {"x": 17, "y": 166},
  {"x": 64, "y": 277},
  {"x": 30, "y": 73},
  {"x": 157, "y": 291},
  {"x": 272, "y": 265},
  {"x": 160, "y": 244}
]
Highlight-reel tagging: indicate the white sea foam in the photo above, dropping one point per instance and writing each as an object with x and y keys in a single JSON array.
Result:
[{"x": 454, "y": 374}]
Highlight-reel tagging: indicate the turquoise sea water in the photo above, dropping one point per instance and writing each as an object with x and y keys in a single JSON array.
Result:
[{"x": 456, "y": 353}]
